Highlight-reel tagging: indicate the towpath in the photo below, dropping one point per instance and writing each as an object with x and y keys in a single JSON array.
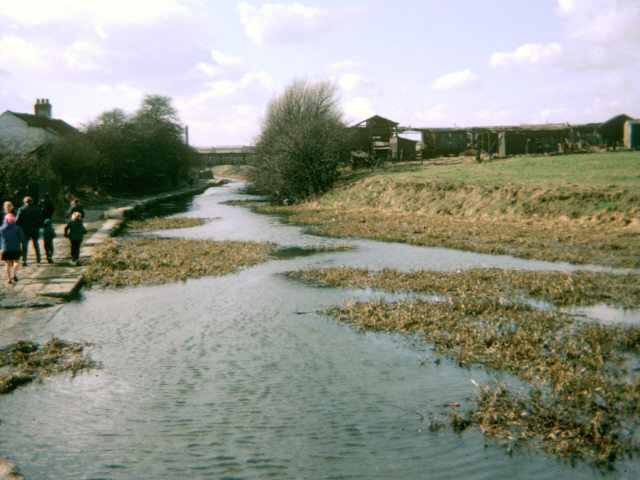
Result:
[{"x": 42, "y": 288}]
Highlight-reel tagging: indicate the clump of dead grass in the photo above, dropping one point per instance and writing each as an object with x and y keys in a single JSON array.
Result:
[
  {"x": 559, "y": 288},
  {"x": 160, "y": 223},
  {"x": 159, "y": 260},
  {"x": 24, "y": 362}
]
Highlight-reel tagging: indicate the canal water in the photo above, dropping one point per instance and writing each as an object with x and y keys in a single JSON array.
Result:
[{"x": 241, "y": 377}]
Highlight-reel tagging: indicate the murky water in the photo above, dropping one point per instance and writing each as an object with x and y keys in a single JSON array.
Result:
[{"x": 238, "y": 377}]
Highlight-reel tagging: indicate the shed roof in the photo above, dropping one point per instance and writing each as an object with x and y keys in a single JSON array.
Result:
[
  {"x": 618, "y": 119},
  {"x": 376, "y": 119}
]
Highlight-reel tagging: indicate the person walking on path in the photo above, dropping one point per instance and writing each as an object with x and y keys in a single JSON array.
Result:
[
  {"x": 12, "y": 238},
  {"x": 48, "y": 234},
  {"x": 29, "y": 218},
  {"x": 74, "y": 207},
  {"x": 46, "y": 206},
  {"x": 75, "y": 231}
]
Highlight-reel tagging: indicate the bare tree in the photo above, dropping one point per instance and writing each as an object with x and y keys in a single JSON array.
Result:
[{"x": 301, "y": 143}]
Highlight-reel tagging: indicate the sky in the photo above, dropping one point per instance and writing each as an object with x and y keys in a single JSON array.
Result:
[{"x": 427, "y": 63}]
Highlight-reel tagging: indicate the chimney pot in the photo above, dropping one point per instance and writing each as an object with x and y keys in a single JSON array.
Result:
[{"x": 42, "y": 108}]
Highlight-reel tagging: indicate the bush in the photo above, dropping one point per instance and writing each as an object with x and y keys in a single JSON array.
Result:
[
  {"x": 22, "y": 175},
  {"x": 301, "y": 144}
]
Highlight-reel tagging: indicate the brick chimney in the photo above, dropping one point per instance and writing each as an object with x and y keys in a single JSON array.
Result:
[{"x": 42, "y": 108}]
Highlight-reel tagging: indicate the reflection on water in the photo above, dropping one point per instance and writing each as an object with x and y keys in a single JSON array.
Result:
[{"x": 238, "y": 377}]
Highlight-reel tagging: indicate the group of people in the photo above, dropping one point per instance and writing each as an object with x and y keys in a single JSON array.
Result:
[{"x": 31, "y": 222}]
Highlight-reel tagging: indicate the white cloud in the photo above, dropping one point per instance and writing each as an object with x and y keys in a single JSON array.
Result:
[
  {"x": 228, "y": 111},
  {"x": 121, "y": 90},
  {"x": 15, "y": 51},
  {"x": 456, "y": 80},
  {"x": 222, "y": 88},
  {"x": 224, "y": 65},
  {"x": 349, "y": 81},
  {"x": 82, "y": 56},
  {"x": 208, "y": 69},
  {"x": 430, "y": 116},
  {"x": 608, "y": 21},
  {"x": 38, "y": 12},
  {"x": 258, "y": 79},
  {"x": 503, "y": 116},
  {"x": 225, "y": 60},
  {"x": 279, "y": 23},
  {"x": 598, "y": 34},
  {"x": 359, "y": 108},
  {"x": 346, "y": 65},
  {"x": 550, "y": 115},
  {"x": 528, "y": 55}
]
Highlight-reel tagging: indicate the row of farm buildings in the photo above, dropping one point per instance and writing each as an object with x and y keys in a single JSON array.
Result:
[
  {"x": 378, "y": 139},
  {"x": 381, "y": 138}
]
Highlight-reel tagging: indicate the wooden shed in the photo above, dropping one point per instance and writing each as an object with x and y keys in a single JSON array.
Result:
[
  {"x": 444, "y": 141},
  {"x": 373, "y": 136},
  {"x": 534, "y": 139}
]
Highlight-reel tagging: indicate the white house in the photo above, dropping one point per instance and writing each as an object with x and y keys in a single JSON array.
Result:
[{"x": 22, "y": 133}]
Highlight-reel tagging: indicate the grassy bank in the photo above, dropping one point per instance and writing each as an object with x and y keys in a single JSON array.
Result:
[
  {"x": 574, "y": 208},
  {"x": 584, "y": 398}
]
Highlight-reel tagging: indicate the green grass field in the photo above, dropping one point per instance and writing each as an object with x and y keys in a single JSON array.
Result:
[{"x": 596, "y": 170}]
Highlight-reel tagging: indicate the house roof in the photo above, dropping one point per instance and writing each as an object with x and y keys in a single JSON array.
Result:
[{"x": 61, "y": 127}]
